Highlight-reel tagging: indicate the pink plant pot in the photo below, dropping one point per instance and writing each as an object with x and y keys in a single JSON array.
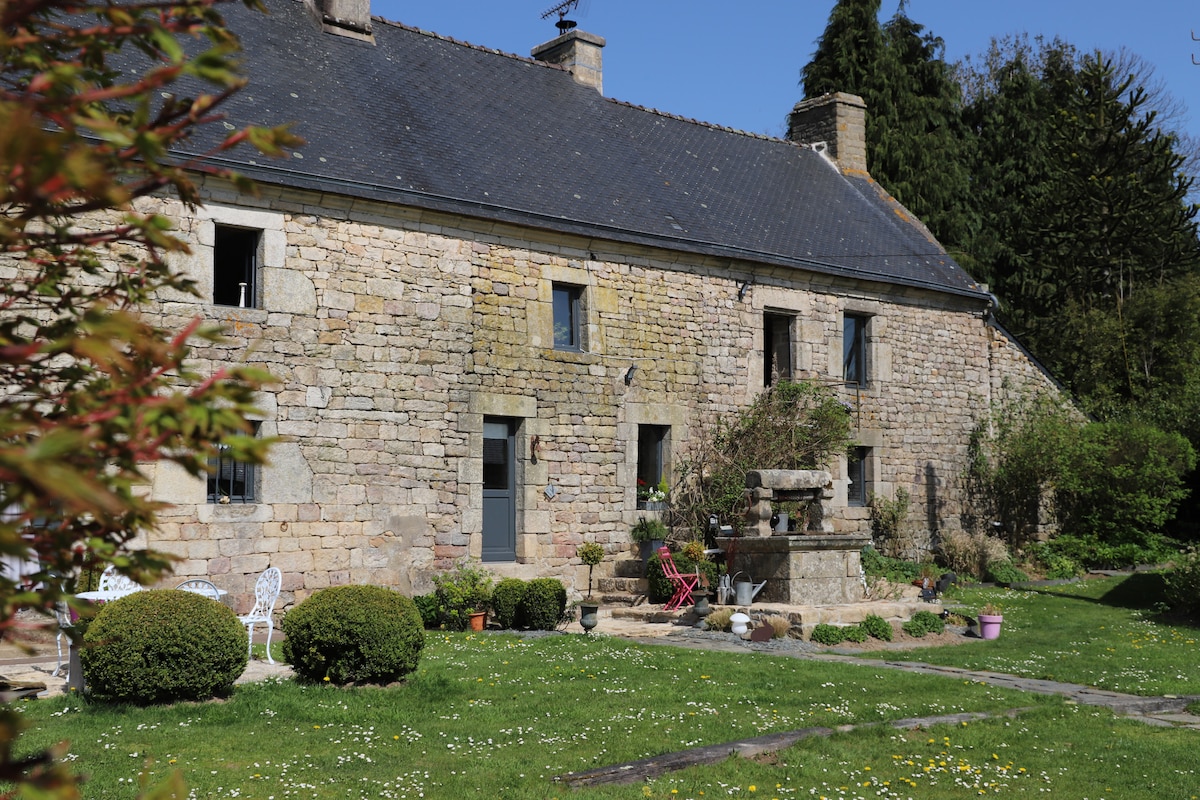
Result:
[{"x": 989, "y": 626}]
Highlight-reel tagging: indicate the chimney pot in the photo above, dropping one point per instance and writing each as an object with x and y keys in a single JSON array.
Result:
[
  {"x": 838, "y": 119},
  {"x": 350, "y": 18}
]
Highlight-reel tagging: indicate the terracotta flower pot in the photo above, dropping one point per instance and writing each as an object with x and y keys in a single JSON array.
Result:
[{"x": 477, "y": 620}]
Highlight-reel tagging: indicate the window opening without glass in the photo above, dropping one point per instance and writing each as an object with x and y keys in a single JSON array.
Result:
[
  {"x": 651, "y": 464},
  {"x": 777, "y": 347},
  {"x": 856, "y": 471},
  {"x": 235, "y": 267}
]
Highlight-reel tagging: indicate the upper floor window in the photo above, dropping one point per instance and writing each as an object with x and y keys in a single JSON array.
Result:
[
  {"x": 568, "y": 325},
  {"x": 854, "y": 349},
  {"x": 230, "y": 480},
  {"x": 777, "y": 347},
  {"x": 235, "y": 266}
]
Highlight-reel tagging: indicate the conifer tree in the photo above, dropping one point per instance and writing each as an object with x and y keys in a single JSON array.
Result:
[{"x": 914, "y": 128}]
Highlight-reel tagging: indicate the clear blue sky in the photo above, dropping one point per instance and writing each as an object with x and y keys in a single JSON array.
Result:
[{"x": 737, "y": 62}]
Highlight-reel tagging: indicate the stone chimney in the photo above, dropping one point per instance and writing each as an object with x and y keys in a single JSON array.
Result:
[
  {"x": 839, "y": 120},
  {"x": 350, "y": 18},
  {"x": 580, "y": 53}
]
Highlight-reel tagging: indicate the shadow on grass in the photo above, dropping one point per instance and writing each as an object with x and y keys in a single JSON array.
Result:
[{"x": 1140, "y": 591}]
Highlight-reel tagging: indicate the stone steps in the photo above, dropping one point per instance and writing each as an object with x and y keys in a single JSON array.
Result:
[
  {"x": 802, "y": 618},
  {"x": 622, "y": 591}
]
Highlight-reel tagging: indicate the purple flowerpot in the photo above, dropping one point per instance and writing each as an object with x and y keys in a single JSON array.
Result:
[{"x": 989, "y": 626}]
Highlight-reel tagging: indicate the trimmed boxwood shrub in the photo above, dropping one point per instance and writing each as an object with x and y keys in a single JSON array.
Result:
[
  {"x": 878, "y": 627},
  {"x": 924, "y": 622},
  {"x": 506, "y": 601},
  {"x": 353, "y": 634},
  {"x": 544, "y": 604},
  {"x": 828, "y": 635},
  {"x": 162, "y": 646}
]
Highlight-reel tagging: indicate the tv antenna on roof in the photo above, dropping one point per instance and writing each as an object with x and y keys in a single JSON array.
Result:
[{"x": 562, "y": 9}]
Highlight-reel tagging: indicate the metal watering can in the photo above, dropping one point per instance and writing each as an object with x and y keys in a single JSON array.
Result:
[{"x": 745, "y": 590}]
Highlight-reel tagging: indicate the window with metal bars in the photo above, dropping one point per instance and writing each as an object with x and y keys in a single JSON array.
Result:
[{"x": 230, "y": 480}]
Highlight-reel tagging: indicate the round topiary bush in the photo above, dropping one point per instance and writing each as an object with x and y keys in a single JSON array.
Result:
[
  {"x": 354, "y": 634},
  {"x": 162, "y": 646},
  {"x": 544, "y": 604},
  {"x": 878, "y": 627},
  {"x": 506, "y": 601}
]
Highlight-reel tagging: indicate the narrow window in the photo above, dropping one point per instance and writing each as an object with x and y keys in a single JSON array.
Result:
[
  {"x": 651, "y": 464},
  {"x": 567, "y": 322},
  {"x": 235, "y": 267},
  {"x": 854, "y": 349},
  {"x": 230, "y": 480},
  {"x": 856, "y": 471},
  {"x": 777, "y": 347}
]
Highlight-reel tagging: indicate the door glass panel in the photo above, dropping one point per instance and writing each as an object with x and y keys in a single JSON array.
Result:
[{"x": 495, "y": 455}]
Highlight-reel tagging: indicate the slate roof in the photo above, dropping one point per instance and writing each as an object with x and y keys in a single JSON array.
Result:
[{"x": 430, "y": 122}]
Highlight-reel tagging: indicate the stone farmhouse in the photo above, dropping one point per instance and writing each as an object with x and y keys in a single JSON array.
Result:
[{"x": 495, "y": 299}]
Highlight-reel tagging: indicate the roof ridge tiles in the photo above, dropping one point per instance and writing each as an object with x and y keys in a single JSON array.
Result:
[
  {"x": 442, "y": 37},
  {"x": 713, "y": 125}
]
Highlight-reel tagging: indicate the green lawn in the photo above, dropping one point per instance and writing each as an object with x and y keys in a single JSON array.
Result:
[
  {"x": 1100, "y": 632},
  {"x": 501, "y": 716}
]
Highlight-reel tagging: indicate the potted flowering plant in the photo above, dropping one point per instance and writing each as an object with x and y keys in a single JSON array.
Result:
[
  {"x": 649, "y": 534},
  {"x": 652, "y": 497}
]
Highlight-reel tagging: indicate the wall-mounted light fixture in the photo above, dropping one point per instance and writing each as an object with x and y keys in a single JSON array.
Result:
[
  {"x": 629, "y": 373},
  {"x": 743, "y": 289}
]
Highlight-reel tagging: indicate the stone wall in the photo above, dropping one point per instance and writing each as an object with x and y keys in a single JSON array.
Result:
[{"x": 393, "y": 333}]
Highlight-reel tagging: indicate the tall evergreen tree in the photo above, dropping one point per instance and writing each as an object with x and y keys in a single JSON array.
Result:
[
  {"x": 914, "y": 134},
  {"x": 849, "y": 53},
  {"x": 1088, "y": 237}
]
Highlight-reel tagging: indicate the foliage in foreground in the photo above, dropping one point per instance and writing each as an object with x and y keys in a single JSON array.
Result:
[
  {"x": 163, "y": 646},
  {"x": 353, "y": 634},
  {"x": 93, "y": 391}
]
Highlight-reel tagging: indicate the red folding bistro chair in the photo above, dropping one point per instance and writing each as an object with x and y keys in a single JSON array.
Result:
[{"x": 683, "y": 583}]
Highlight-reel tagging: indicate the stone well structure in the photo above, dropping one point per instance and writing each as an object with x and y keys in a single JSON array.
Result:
[{"x": 814, "y": 566}]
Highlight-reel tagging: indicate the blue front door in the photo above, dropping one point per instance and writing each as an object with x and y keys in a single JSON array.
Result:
[{"x": 499, "y": 490}]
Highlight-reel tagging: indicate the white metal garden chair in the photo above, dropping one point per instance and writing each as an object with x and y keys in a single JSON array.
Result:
[
  {"x": 201, "y": 586},
  {"x": 266, "y": 592},
  {"x": 113, "y": 581}
]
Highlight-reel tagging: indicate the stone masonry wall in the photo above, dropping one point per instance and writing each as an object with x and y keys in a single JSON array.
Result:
[{"x": 393, "y": 333}]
